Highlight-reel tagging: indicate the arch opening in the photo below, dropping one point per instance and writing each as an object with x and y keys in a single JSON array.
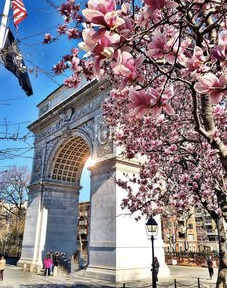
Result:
[
  {"x": 69, "y": 160},
  {"x": 70, "y": 165}
]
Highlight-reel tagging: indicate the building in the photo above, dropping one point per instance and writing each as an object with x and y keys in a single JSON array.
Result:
[
  {"x": 206, "y": 230},
  {"x": 180, "y": 234},
  {"x": 83, "y": 227},
  {"x": 194, "y": 233}
]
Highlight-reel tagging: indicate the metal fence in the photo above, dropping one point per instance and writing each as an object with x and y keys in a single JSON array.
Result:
[
  {"x": 191, "y": 258},
  {"x": 176, "y": 284}
]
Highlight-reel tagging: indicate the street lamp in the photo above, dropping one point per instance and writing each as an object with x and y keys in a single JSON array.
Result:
[{"x": 152, "y": 230}]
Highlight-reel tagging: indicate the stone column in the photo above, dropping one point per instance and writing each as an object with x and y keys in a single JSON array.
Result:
[
  {"x": 119, "y": 248},
  {"x": 50, "y": 222},
  {"x": 30, "y": 258}
]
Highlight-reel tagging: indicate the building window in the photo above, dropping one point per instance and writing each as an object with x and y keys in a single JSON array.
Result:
[{"x": 190, "y": 226}]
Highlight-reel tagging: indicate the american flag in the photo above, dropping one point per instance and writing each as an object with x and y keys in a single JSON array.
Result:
[{"x": 19, "y": 11}]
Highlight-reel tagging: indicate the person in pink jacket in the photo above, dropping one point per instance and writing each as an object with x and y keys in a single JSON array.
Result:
[
  {"x": 47, "y": 263},
  {"x": 2, "y": 266}
]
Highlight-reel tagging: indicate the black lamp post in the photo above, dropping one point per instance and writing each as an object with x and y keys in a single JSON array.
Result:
[{"x": 152, "y": 230}]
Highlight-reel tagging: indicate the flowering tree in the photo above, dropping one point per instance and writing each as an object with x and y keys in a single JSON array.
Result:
[{"x": 166, "y": 61}]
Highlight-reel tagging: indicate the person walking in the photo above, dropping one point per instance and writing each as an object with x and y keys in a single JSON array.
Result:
[
  {"x": 52, "y": 267},
  {"x": 2, "y": 266},
  {"x": 55, "y": 261},
  {"x": 48, "y": 264},
  {"x": 210, "y": 266},
  {"x": 156, "y": 269}
]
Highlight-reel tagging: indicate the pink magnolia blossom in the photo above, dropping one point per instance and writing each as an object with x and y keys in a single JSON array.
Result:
[
  {"x": 220, "y": 51},
  {"x": 196, "y": 62},
  {"x": 126, "y": 29},
  {"x": 212, "y": 85},
  {"x": 66, "y": 9},
  {"x": 62, "y": 29},
  {"x": 126, "y": 66},
  {"x": 75, "y": 63},
  {"x": 125, "y": 8},
  {"x": 89, "y": 44},
  {"x": 72, "y": 81},
  {"x": 163, "y": 47},
  {"x": 150, "y": 100},
  {"x": 60, "y": 67},
  {"x": 103, "y": 13},
  {"x": 159, "y": 4},
  {"x": 100, "y": 45},
  {"x": 141, "y": 102},
  {"x": 73, "y": 33},
  {"x": 69, "y": 10},
  {"x": 48, "y": 38},
  {"x": 156, "y": 48}
]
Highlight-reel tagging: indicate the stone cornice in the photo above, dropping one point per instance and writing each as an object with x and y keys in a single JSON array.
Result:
[
  {"x": 113, "y": 163},
  {"x": 55, "y": 183},
  {"x": 80, "y": 98}
]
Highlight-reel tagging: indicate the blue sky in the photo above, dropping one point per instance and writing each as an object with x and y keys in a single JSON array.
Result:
[{"x": 16, "y": 109}]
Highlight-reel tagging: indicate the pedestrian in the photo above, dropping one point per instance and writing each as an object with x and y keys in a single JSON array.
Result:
[
  {"x": 52, "y": 267},
  {"x": 2, "y": 266},
  {"x": 55, "y": 262},
  {"x": 48, "y": 264},
  {"x": 210, "y": 266},
  {"x": 156, "y": 269}
]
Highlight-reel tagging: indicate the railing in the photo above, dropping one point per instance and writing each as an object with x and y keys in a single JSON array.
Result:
[
  {"x": 176, "y": 284},
  {"x": 198, "y": 284},
  {"x": 190, "y": 258}
]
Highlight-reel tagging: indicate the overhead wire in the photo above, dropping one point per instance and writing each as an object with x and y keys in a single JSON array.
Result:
[{"x": 7, "y": 135}]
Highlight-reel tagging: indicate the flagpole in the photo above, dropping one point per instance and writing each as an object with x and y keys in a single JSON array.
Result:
[{"x": 4, "y": 22}]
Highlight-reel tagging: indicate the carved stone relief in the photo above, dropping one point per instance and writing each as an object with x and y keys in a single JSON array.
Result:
[
  {"x": 49, "y": 149},
  {"x": 37, "y": 165},
  {"x": 104, "y": 139},
  {"x": 66, "y": 115},
  {"x": 88, "y": 128}
]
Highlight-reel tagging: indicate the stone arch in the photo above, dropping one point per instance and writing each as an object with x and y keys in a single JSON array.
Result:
[{"x": 70, "y": 127}]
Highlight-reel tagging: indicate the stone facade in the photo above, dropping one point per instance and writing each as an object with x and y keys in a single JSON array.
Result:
[{"x": 70, "y": 128}]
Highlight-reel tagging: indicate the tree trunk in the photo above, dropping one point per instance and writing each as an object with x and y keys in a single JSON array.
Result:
[
  {"x": 222, "y": 270},
  {"x": 206, "y": 129}
]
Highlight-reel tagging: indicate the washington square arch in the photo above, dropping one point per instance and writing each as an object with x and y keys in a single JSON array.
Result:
[{"x": 69, "y": 129}]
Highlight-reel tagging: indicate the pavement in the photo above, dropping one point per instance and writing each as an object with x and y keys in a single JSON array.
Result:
[{"x": 180, "y": 276}]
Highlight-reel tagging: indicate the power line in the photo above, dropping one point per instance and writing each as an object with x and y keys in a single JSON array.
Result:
[{"x": 13, "y": 124}]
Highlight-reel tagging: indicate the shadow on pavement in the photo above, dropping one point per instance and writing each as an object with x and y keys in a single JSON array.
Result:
[
  {"x": 59, "y": 286},
  {"x": 54, "y": 286},
  {"x": 11, "y": 260}
]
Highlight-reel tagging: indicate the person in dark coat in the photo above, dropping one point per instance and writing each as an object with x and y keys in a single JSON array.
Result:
[
  {"x": 210, "y": 266},
  {"x": 156, "y": 269}
]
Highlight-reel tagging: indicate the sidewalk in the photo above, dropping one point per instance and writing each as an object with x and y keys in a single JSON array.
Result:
[{"x": 15, "y": 277}]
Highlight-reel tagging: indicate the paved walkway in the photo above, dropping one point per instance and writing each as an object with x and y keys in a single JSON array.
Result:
[{"x": 15, "y": 277}]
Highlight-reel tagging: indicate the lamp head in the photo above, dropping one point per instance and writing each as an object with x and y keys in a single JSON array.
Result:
[{"x": 151, "y": 227}]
